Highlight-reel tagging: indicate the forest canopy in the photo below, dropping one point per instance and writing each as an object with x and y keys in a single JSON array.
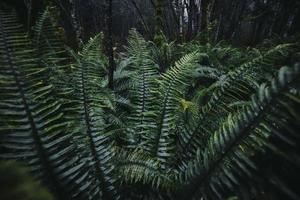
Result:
[{"x": 149, "y": 99}]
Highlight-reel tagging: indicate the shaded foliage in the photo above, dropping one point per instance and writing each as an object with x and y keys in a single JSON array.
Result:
[{"x": 184, "y": 121}]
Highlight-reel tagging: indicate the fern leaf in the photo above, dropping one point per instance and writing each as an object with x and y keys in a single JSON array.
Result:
[
  {"x": 226, "y": 158},
  {"x": 142, "y": 96},
  {"x": 33, "y": 127},
  {"x": 90, "y": 98},
  {"x": 172, "y": 88}
]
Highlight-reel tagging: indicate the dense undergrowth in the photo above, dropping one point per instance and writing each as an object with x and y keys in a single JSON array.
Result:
[{"x": 185, "y": 121}]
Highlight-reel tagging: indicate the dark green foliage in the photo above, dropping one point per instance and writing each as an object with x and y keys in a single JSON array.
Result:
[
  {"x": 193, "y": 130},
  {"x": 16, "y": 183},
  {"x": 33, "y": 126}
]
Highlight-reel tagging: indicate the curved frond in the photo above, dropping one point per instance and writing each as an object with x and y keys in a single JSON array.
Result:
[
  {"x": 227, "y": 158},
  {"x": 90, "y": 102},
  {"x": 235, "y": 86},
  {"x": 143, "y": 97},
  {"x": 33, "y": 127},
  {"x": 172, "y": 88},
  {"x": 138, "y": 167}
]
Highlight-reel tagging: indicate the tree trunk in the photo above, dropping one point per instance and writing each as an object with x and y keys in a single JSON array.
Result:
[
  {"x": 75, "y": 22},
  {"x": 175, "y": 17},
  {"x": 181, "y": 14},
  {"x": 34, "y": 7},
  {"x": 204, "y": 21},
  {"x": 192, "y": 12},
  {"x": 295, "y": 26},
  {"x": 146, "y": 28},
  {"x": 108, "y": 42},
  {"x": 158, "y": 22}
]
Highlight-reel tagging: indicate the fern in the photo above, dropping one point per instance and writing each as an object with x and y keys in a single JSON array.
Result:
[
  {"x": 190, "y": 131},
  {"x": 226, "y": 158},
  {"x": 172, "y": 87},
  {"x": 90, "y": 100},
  {"x": 237, "y": 85},
  {"x": 33, "y": 127},
  {"x": 50, "y": 48},
  {"x": 142, "y": 95},
  {"x": 139, "y": 167}
]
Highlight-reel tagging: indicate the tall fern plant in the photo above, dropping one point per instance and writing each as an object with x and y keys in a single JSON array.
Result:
[
  {"x": 219, "y": 140},
  {"x": 59, "y": 118},
  {"x": 33, "y": 126}
]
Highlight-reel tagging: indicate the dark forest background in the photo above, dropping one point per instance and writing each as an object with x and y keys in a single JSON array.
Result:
[{"x": 246, "y": 22}]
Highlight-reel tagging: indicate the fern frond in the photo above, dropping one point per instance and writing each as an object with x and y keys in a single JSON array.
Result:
[
  {"x": 237, "y": 85},
  {"x": 164, "y": 55},
  {"x": 143, "y": 98},
  {"x": 50, "y": 48},
  {"x": 172, "y": 89},
  {"x": 226, "y": 159},
  {"x": 33, "y": 127},
  {"x": 90, "y": 101},
  {"x": 208, "y": 72},
  {"x": 138, "y": 167}
]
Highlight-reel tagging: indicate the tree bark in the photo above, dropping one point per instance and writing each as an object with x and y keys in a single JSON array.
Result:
[
  {"x": 158, "y": 22},
  {"x": 175, "y": 17},
  {"x": 146, "y": 28},
  {"x": 204, "y": 21},
  {"x": 192, "y": 12},
  {"x": 108, "y": 42}
]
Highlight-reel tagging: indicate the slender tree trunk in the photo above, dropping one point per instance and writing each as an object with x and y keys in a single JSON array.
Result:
[
  {"x": 283, "y": 16},
  {"x": 191, "y": 9},
  {"x": 158, "y": 21},
  {"x": 204, "y": 21},
  {"x": 181, "y": 14},
  {"x": 146, "y": 28},
  {"x": 108, "y": 41},
  {"x": 190, "y": 20},
  {"x": 295, "y": 26},
  {"x": 218, "y": 27},
  {"x": 34, "y": 7},
  {"x": 175, "y": 17},
  {"x": 238, "y": 20},
  {"x": 75, "y": 22}
]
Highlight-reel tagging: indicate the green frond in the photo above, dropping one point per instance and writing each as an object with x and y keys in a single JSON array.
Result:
[
  {"x": 138, "y": 167},
  {"x": 50, "y": 47},
  {"x": 143, "y": 97},
  {"x": 165, "y": 54},
  {"x": 123, "y": 77},
  {"x": 227, "y": 158},
  {"x": 212, "y": 125},
  {"x": 90, "y": 101},
  {"x": 92, "y": 51},
  {"x": 172, "y": 88},
  {"x": 33, "y": 127},
  {"x": 236, "y": 86},
  {"x": 209, "y": 72}
]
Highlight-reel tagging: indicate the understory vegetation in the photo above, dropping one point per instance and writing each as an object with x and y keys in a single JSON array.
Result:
[{"x": 182, "y": 121}]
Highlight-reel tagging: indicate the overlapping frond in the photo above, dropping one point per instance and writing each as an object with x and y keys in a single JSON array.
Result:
[
  {"x": 143, "y": 96},
  {"x": 33, "y": 127},
  {"x": 172, "y": 88},
  {"x": 190, "y": 132},
  {"x": 137, "y": 167},
  {"x": 165, "y": 54},
  {"x": 50, "y": 48},
  {"x": 236, "y": 86},
  {"x": 227, "y": 157},
  {"x": 90, "y": 101}
]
